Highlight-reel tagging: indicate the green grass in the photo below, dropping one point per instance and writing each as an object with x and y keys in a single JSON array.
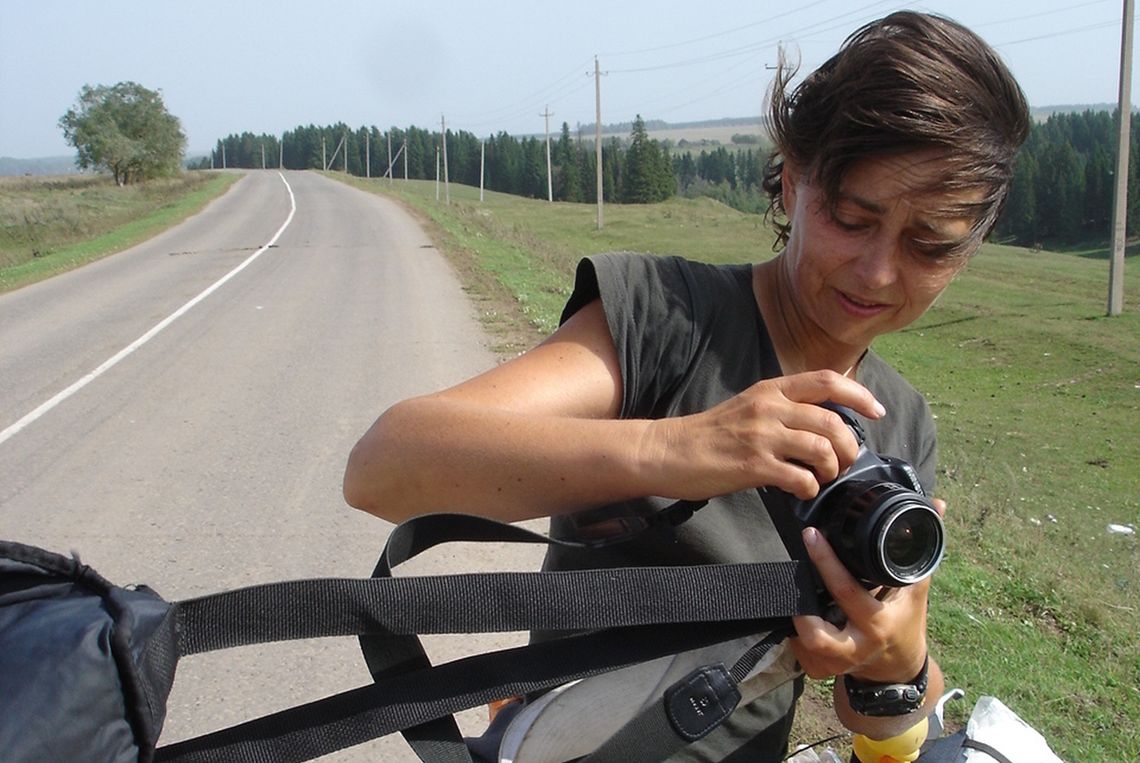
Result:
[
  {"x": 51, "y": 225},
  {"x": 533, "y": 246},
  {"x": 1037, "y": 397}
]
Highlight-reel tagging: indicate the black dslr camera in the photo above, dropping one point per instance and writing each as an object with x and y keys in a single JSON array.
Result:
[{"x": 875, "y": 515}]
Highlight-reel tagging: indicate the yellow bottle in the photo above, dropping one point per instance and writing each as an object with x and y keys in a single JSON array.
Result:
[{"x": 903, "y": 748}]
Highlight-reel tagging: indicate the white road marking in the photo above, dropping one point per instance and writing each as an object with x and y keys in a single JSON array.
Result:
[{"x": 114, "y": 359}]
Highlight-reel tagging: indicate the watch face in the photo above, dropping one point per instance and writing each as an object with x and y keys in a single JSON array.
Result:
[
  {"x": 883, "y": 699},
  {"x": 869, "y": 698}
]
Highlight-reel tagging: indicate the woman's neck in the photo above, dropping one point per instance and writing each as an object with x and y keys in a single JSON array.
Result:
[{"x": 799, "y": 343}]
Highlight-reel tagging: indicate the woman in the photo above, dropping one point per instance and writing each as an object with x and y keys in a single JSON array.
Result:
[{"x": 674, "y": 379}]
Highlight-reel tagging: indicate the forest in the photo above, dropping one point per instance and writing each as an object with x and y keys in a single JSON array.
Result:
[{"x": 1061, "y": 192}]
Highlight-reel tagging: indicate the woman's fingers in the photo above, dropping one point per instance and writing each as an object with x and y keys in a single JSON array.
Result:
[
  {"x": 827, "y": 386},
  {"x": 814, "y": 442},
  {"x": 883, "y": 636},
  {"x": 774, "y": 434}
]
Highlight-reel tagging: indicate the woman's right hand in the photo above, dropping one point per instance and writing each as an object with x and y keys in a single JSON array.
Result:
[{"x": 774, "y": 434}]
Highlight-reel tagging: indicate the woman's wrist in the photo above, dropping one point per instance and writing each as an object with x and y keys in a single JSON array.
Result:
[
  {"x": 887, "y": 698},
  {"x": 896, "y": 672},
  {"x": 882, "y": 727}
]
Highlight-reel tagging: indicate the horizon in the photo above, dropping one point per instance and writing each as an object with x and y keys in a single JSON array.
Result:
[{"x": 608, "y": 129}]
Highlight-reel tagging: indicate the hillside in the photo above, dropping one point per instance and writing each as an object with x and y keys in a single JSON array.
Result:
[{"x": 48, "y": 165}]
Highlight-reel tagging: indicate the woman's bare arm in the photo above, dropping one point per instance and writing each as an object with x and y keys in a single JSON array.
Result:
[
  {"x": 535, "y": 436},
  {"x": 539, "y": 436}
]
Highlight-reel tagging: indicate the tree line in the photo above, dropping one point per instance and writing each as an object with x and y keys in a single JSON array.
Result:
[
  {"x": 634, "y": 170},
  {"x": 1061, "y": 191},
  {"x": 1064, "y": 181}
]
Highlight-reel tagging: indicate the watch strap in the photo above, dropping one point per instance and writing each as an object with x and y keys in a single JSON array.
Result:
[{"x": 887, "y": 699}]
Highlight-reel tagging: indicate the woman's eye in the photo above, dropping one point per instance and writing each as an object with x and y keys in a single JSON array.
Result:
[
  {"x": 934, "y": 250},
  {"x": 849, "y": 225}
]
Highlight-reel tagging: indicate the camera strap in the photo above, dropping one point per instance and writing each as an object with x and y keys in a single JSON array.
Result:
[
  {"x": 613, "y": 617},
  {"x": 790, "y": 530}
]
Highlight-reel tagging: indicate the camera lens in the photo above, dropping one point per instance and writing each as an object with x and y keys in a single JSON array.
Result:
[
  {"x": 885, "y": 534},
  {"x": 910, "y": 542}
]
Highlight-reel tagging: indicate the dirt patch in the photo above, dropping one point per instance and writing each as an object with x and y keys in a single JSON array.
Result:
[{"x": 816, "y": 721}]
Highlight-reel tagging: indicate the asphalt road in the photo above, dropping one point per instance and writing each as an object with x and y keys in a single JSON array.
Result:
[{"x": 209, "y": 455}]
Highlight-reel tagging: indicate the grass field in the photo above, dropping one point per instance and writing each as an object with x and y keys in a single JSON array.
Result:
[
  {"x": 1037, "y": 397},
  {"x": 49, "y": 225}
]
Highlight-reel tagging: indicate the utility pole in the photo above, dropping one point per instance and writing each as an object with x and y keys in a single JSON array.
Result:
[
  {"x": 443, "y": 141},
  {"x": 482, "y": 166},
  {"x": 336, "y": 152},
  {"x": 1120, "y": 195},
  {"x": 598, "y": 133},
  {"x": 549, "y": 180},
  {"x": 389, "y": 158},
  {"x": 324, "y": 162},
  {"x": 436, "y": 173},
  {"x": 368, "y": 154},
  {"x": 281, "y": 154},
  {"x": 391, "y": 164},
  {"x": 405, "y": 159},
  {"x": 262, "y": 156},
  {"x": 223, "y": 155}
]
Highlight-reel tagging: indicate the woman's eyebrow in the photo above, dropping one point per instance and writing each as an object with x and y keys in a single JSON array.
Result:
[
  {"x": 932, "y": 223},
  {"x": 859, "y": 201}
]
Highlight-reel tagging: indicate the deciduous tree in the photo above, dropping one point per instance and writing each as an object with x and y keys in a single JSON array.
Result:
[{"x": 126, "y": 130}]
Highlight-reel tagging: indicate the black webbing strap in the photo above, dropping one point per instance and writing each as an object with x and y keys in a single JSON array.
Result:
[
  {"x": 492, "y": 602},
  {"x": 950, "y": 749},
  {"x": 440, "y": 740},
  {"x": 412, "y": 698},
  {"x": 973, "y": 744},
  {"x": 636, "y": 614}
]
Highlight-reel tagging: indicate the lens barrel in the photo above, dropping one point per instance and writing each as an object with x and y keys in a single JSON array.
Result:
[{"x": 885, "y": 533}]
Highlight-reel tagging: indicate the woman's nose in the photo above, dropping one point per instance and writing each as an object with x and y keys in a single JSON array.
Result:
[{"x": 877, "y": 264}]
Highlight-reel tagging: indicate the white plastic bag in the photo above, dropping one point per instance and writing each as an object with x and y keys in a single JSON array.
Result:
[{"x": 995, "y": 724}]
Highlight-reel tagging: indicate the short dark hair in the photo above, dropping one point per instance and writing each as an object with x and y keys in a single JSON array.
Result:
[{"x": 907, "y": 82}]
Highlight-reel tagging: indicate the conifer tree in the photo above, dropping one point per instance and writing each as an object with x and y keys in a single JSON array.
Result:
[{"x": 647, "y": 176}]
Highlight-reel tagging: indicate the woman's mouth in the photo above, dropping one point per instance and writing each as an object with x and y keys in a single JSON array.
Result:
[{"x": 859, "y": 307}]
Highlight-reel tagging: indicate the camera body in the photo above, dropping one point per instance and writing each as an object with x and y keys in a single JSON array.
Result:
[{"x": 875, "y": 515}]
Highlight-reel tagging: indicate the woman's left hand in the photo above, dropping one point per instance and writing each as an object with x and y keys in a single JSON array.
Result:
[
  {"x": 885, "y": 633},
  {"x": 884, "y": 638}
]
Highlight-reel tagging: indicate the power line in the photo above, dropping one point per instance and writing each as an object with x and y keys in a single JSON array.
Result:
[
  {"x": 752, "y": 50},
  {"x": 1051, "y": 12},
  {"x": 1101, "y": 25},
  {"x": 572, "y": 83},
  {"x": 753, "y": 46},
  {"x": 522, "y": 109},
  {"x": 842, "y": 21},
  {"x": 718, "y": 34},
  {"x": 524, "y": 105}
]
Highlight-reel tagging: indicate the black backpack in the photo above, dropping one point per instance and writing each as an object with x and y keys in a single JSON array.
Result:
[{"x": 85, "y": 665}]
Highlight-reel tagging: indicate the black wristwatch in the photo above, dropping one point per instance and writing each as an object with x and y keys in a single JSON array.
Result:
[{"x": 870, "y": 698}]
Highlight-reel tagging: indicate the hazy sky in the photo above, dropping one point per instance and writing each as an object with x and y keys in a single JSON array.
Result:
[{"x": 238, "y": 65}]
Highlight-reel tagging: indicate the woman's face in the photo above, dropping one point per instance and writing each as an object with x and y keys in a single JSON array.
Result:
[{"x": 876, "y": 261}]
